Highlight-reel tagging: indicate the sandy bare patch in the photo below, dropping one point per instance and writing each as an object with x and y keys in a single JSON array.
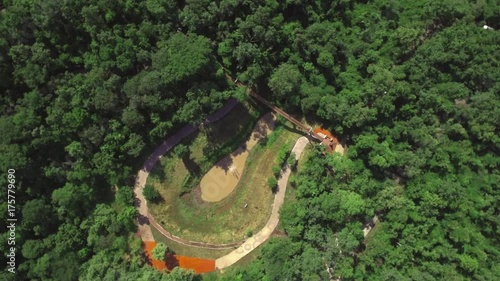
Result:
[
  {"x": 340, "y": 149},
  {"x": 221, "y": 180}
]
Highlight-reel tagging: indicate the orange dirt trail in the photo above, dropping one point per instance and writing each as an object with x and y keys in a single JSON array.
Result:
[
  {"x": 172, "y": 261},
  {"x": 196, "y": 264}
]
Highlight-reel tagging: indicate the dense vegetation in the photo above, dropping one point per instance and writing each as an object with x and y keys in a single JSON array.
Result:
[{"x": 90, "y": 87}]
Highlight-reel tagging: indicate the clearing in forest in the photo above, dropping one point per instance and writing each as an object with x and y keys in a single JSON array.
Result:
[
  {"x": 221, "y": 180},
  {"x": 184, "y": 213}
]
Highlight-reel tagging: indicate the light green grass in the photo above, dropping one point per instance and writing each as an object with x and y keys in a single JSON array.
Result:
[
  {"x": 226, "y": 221},
  {"x": 206, "y": 146},
  {"x": 183, "y": 250}
]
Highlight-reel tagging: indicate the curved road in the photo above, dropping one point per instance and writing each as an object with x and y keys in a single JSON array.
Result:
[
  {"x": 245, "y": 247},
  {"x": 259, "y": 238},
  {"x": 144, "y": 229}
]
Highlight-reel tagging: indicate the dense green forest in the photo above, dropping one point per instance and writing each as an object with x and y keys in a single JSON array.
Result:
[{"x": 90, "y": 87}]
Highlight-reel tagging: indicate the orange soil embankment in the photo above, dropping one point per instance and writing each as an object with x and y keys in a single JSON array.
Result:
[
  {"x": 330, "y": 142},
  {"x": 172, "y": 261},
  {"x": 196, "y": 264},
  {"x": 326, "y": 133}
]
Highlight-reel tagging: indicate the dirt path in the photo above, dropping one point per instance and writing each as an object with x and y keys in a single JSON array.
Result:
[
  {"x": 144, "y": 229},
  {"x": 253, "y": 242},
  {"x": 222, "y": 178},
  {"x": 145, "y": 221}
]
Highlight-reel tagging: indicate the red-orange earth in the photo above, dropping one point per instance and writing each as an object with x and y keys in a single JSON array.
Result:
[
  {"x": 172, "y": 261},
  {"x": 330, "y": 145}
]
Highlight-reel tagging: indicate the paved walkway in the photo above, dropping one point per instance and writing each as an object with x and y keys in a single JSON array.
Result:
[
  {"x": 145, "y": 220},
  {"x": 264, "y": 234},
  {"x": 144, "y": 229}
]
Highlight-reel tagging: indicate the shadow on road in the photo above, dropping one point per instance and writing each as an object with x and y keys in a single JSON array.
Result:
[{"x": 142, "y": 219}]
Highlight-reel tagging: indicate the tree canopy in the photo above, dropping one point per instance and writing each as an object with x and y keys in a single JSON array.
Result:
[{"x": 90, "y": 88}]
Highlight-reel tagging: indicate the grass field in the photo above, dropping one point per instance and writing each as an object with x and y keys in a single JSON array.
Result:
[
  {"x": 206, "y": 147},
  {"x": 181, "y": 210},
  {"x": 183, "y": 250}
]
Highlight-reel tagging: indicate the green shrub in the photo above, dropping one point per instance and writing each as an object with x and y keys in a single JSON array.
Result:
[
  {"x": 276, "y": 171},
  {"x": 272, "y": 182},
  {"x": 187, "y": 184},
  {"x": 280, "y": 120},
  {"x": 125, "y": 196},
  {"x": 181, "y": 151},
  {"x": 274, "y": 135},
  {"x": 150, "y": 193},
  {"x": 292, "y": 161},
  {"x": 292, "y": 180},
  {"x": 282, "y": 154},
  {"x": 159, "y": 251}
]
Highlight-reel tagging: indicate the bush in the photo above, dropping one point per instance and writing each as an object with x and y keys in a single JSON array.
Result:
[
  {"x": 274, "y": 135},
  {"x": 292, "y": 180},
  {"x": 186, "y": 184},
  {"x": 272, "y": 182},
  {"x": 282, "y": 154},
  {"x": 249, "y": 233},
  {"x": 125, "y": 196},
  {"x": 291, "y": 160},
  {"x": 181, "y": 151},
  {"x": 276, "y": 171},
  {"x": 150, "y": 193},
  {"x": 280, "y": 119},
  {"x": 159, "y": 251}
]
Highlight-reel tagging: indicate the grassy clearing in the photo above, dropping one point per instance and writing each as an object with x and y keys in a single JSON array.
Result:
[
  {"x": 186, "y": 215},
  {"x": 206, "y": 147},
  {"x": 183, "y": 250}
]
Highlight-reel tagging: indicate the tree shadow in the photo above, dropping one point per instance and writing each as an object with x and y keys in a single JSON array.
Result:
[
  {"x": 158, "y": 170},
  {"x": 293, "y": 129},
  {"x": 158, "y": 200},
  {"x": 106, "y": 195},
  {"x": 137, "y": 201},
  {"x": 142, "y": 219},
  {"x": 225, "y": 163},
  {"x": 260, "y": 129},
  {"x": 171, "y": 260},
  {"x": 191, "y": 166},
  {"x": 223, "y": 129},
  {"x": 223, "y": 136},
  {"x": 227, "y": 130},
  {"x": 144, "y": 256}
]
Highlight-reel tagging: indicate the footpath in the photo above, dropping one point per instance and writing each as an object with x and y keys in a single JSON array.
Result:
[
  {"x": 145, "y": 220},
  {"x": 144, "y": 229},
  {"x": 253, "y": 242}
]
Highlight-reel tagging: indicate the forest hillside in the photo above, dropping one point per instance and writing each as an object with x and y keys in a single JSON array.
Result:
[{"x": 89, "y": 88}]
